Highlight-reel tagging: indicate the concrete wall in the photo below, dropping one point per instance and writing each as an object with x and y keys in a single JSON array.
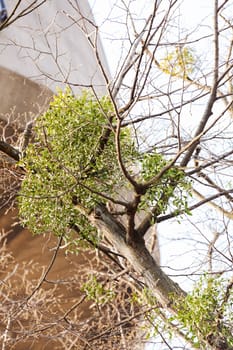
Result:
[
  {"x": 21, "y": 99},
  {"x": 50, "y": 45}
]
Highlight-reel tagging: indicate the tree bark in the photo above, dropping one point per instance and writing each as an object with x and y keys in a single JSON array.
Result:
[
  {"x": 9, "y": 150},
  {"x": 163, "y": 288}
]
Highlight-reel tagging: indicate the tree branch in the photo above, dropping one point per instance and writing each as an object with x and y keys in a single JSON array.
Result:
[
  {"x": 138, "y": 256},
  {"x": 213, "y": 95},
  {"x": 9, "y": 150}
]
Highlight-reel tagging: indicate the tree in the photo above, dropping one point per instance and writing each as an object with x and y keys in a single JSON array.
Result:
[{"x": 139, "y": 136}]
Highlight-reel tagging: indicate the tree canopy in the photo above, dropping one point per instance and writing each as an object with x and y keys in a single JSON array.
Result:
[{"x": 152, "y": 153}]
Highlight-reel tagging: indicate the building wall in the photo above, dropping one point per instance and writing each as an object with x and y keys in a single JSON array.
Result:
[
  {"x": 51, "y": 46},
  {"x": 38, "y": 53},
  {"x": 46, "y": 49},
  {"x": 21, "y": 99}
]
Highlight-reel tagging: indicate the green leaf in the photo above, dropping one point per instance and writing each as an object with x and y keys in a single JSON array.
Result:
[{"x": 66, "y": 162}]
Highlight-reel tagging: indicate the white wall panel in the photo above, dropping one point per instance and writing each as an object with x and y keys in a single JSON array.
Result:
[{"x": 48, "y": 46}]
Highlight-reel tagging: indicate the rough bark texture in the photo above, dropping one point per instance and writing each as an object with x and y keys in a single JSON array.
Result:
[{"x": 138, "y": 256}]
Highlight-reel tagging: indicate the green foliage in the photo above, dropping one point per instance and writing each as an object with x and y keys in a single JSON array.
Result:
[
  {"x": 180, "y": 62},
  {"x": 205, "y": 314},
  {"x": 171, "y": 189},
  {"x": 65, "y": 164},
  {"x": 202, "y": 314},
  {"x": 73, "y": 164},
  {"x": 144, "y": 297},
  {"x": 97, "y": 292}
]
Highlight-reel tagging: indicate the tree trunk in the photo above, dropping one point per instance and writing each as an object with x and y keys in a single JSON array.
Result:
[{"x": 163, "y": 288}]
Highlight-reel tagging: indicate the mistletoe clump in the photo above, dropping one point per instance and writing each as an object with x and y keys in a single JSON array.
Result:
[{"x": 73, "y": 160}]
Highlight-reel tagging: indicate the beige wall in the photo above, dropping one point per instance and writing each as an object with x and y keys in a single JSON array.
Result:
[{"x": 21, "y": 99}]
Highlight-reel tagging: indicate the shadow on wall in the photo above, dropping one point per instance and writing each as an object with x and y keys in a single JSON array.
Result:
[
  {"x": 21, "y": 99},
  {"x": 29, "y": 257}
]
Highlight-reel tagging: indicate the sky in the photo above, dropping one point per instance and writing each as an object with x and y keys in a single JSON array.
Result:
[
  {"x": 108, "y": 15},
  {"x": 109, "y": 18}
]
